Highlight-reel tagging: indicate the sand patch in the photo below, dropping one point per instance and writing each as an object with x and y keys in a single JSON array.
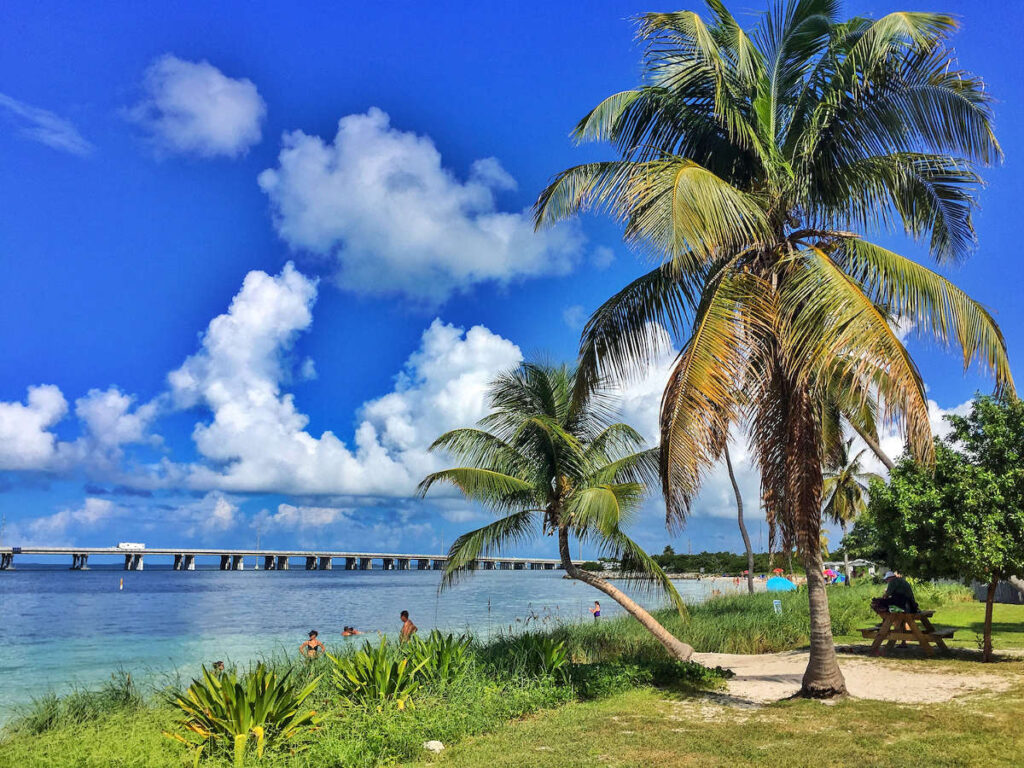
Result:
[{"x": 769, "y": 677}]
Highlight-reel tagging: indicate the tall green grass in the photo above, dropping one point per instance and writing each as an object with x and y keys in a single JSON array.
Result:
[{"x": 497, "y": 681}]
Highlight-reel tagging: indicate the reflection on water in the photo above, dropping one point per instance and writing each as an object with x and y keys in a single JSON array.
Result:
[{"x": 60, "y": 628}]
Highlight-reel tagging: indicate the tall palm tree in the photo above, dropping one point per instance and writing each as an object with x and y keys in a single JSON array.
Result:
[
  {"x": 550, "y": 459},
  {"x": 739, "y": 514},
  {"x": 845, "y": 490},
  {"x": 751, "y": 164}
]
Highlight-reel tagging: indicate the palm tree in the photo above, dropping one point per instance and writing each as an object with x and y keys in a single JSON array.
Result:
[
  {"x": 845, "y": 490},
  {"x": 739, "y": 514},
  {"x": 751, "y": 164},
  {"x": 550, "y": 459}
]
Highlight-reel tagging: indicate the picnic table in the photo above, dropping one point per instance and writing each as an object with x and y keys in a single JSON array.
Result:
[{"x": 916, "y": 627}]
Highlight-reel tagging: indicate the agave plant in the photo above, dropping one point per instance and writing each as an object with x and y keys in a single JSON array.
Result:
[
  {"x": 544, "y": 654},
  {"x": 261, "y": 705},
  {"x": 376, "y": 676},
  {"x": 441, "y": 658}
]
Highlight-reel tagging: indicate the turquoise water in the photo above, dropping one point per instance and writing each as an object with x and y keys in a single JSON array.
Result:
[{"x": 61, "y": 628}]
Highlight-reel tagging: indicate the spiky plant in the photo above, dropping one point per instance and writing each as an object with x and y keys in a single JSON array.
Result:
[
  {"x": 550, "y": 459},
  {"x": 751, "y": 164}
]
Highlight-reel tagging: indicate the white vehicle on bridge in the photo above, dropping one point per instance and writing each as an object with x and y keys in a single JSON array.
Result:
[{"x": 131, "y": 546}]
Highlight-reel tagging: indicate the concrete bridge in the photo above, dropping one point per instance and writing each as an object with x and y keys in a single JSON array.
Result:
[{"x": 184, "y": 559}]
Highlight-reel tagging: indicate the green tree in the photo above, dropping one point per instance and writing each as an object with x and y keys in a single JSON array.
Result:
[
  {"x": 549, "y": 459},
  {"x": 845, "y": 490},
  {"x": 749, "y": 163},
  {"x": 965, "y": 519}
]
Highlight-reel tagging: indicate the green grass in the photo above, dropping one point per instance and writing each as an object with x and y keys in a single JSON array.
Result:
[
  {"x": 616, "y": 664},
  {"x": 647, "y": 728}
]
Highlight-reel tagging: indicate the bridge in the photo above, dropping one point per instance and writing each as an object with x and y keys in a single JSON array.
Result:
[{"x": 184, "y": 559}]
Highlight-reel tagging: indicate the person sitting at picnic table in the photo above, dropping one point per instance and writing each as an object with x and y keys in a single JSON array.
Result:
[{"x": 898, "y": 594}]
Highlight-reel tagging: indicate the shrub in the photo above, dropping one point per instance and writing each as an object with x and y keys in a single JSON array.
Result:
[
  {"x": 440, "y": 658},
  {"x": 374, "y": 676},
  {"x": 224, "y": 711},
  {"x": 539, "y": 655},
  {"x": 81, "y": 705}
]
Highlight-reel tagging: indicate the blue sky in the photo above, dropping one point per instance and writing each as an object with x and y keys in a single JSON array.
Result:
[{"x": 162, "y": 162}]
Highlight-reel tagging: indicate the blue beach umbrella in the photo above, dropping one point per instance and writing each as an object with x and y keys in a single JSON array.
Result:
[{"x": 779, "y": 584}]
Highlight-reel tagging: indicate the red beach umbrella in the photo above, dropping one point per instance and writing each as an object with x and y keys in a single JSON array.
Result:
[{"x": 777, "y": 570}]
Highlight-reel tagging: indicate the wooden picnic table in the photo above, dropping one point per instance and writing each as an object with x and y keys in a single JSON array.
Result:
[{"x": 916, "y": 627}]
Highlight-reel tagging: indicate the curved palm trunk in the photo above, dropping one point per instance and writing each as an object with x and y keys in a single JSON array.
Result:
[
  {"x": 676, "y": 648},
  {"x": 846, "y": 556},
  {"x": 743, "y": 527},
  {"x": 876, "y": 449}
]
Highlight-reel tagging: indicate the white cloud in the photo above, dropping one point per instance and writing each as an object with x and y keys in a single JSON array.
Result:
[
  {"x": 291, "y": 517},
  {"x": 109, "y": 419},
  {"x": 45, "y": 127},
  {"x": 25, "y": 439},
  {"x": 397, "y": 221},
  {"x": 193, "y": 108},
  {"x": 574, "y": 316},
  {"x": 258, "y": 439},
  {"x": 56, "y": 526},
  {"x": 602, "y": 257}
]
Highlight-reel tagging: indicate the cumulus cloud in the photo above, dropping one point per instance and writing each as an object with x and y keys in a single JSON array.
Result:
[
  {"x": 54, "y": 527},
  {"x": 193, "y": 108},
  {"x": 45, "y": 127},
  {"x": 111, "y": 419},
  {"x": 574, "y": 316},
  {"x": 258, "y": 439},
  {"x": 381, "y": 203},
  {"x": 291, "y": 517},
  {"x": 26, "y": 441}
]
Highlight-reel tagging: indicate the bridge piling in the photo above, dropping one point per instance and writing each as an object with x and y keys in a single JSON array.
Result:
[
  {"x": 282, "y": 563},
  {"x": 350, "y": 563},
  {"x": 269, "y": 563},
  {"x": 365, "y": 564},
  {"x": 237, "y": 563},
  {"x": 225, "y": 562},
  {"x": 179, "y": 562},
  {"x": 190, "y": 562},
  {"x": 7, "y": 561},
  {"x": 326, "y": 564}
]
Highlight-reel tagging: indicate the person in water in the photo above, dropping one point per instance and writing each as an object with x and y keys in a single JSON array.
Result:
[
  {"x": 218, "y": 668},
  {"x": 350, "y": 631},
  {"x": 596, "y": 610},
  {"x": 408, "y": 628},
  {"x": 312, "y": 647},
  {"x": 898, "y": 594}
]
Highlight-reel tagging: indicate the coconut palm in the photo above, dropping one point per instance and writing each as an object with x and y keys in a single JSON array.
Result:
[
  {"x": 751, "y": 165},
  {"x": 549, "y": 459},
  {"x": 845, "y": 490}
]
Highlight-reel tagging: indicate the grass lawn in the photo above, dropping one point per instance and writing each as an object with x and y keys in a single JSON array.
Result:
[{"x": 649, "y": 727}]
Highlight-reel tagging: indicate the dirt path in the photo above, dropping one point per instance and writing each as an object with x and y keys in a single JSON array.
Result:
[{"x": 773, "y": 676}]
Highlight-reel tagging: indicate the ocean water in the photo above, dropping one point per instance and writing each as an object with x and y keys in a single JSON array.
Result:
[{"x": 60, "y": 628}]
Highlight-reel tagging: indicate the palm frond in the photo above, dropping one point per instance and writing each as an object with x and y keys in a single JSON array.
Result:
[{"x": 516, "y": 528}]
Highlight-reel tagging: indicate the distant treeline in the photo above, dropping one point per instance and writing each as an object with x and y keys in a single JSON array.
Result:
[{"x": 718, "y": 562}]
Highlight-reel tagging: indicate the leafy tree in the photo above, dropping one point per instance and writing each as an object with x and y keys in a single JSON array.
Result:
[
  {"x": 549, "y": 459},
  {"x": 750, "y": 162},
  {"x": 845, "y": 490},
  {"x": 965, "y": 519}
]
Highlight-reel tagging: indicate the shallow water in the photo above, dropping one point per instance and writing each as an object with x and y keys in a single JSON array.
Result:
[{"x": 61, "y": 628}]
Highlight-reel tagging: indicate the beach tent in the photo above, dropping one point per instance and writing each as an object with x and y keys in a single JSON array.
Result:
[{"x": 779, "y": 584}]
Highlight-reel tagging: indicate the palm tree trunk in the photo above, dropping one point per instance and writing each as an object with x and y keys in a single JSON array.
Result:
[
  {"x": 846, "y": 556},
  {"x": 743, "y": 527},
  {"x": 676, "y": 648},
  {"x": 990, "y": 598},
  {"x": 876, "y": 449},
  {"x": 822, "y": 679}
]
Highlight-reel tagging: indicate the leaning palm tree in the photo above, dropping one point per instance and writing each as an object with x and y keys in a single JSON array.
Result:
[
  {"x": 845, "y": 490},
  {"x": 550, "y": 459},
  {"x": 751, "y": 164}
]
